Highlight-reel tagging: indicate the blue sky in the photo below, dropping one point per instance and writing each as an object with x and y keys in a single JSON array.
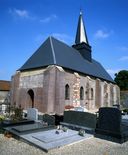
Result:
[{"x": 25, "y": 24}]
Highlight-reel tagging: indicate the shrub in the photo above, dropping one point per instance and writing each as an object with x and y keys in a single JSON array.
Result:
[
  {"x": 16, "y": 113},
  {"x": 65, "y": 129},
  {"x": 2, "y": 118}
]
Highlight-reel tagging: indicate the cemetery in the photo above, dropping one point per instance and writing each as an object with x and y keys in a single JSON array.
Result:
[{"x": 44, "y": 132}]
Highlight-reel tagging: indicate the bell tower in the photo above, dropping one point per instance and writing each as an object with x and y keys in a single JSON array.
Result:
[{"x": 81, "y": 40}]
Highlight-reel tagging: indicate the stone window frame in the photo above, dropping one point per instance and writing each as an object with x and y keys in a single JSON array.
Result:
[
  {"x": 67, "y": 92},
  {"x": 87, "y": 91},
  {"x": 81, "y": 93},
  {"x": 92, "y": 93}
]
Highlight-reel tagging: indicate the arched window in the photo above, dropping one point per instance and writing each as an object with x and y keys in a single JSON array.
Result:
[
  {"x": 91, "y": 93},
  {"x": 81, "y": 93},
  {"x": 67, "y": 92},
  {"x": 31, "y": 94}
]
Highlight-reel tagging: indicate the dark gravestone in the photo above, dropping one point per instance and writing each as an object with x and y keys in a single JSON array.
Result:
[
  {"x": 109, "y": 121},
  {"x": 49, "y": 119},
  {"x": 80, "y": 118},
  {"x": 58, "y": 119}
]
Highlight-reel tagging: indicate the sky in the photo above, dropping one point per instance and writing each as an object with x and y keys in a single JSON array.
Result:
[{"x": 26, "y": 24}]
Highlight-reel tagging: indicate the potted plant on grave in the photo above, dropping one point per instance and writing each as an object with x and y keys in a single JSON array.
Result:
[
  {"x": 65, "y": 129},
  {"x": 82, "y": 132}
]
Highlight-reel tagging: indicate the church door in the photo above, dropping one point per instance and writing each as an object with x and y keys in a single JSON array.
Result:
[{"x": 31, "y": 98}]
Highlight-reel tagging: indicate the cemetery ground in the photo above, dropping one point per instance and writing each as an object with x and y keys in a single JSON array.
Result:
[
  {"x": 91, "y": 146},
  {"x": 41, "y": 132}
]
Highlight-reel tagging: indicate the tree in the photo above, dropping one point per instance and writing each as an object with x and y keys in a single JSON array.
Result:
[{"x": 121, "y": 79}]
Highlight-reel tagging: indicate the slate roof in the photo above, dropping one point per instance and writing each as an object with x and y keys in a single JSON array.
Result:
[{"x": 55, "y": 52}]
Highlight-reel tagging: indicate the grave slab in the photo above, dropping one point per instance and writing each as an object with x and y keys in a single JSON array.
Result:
[
  {"x": 56, "y": 141},
  {"x": 28, "y": 127},
  {"x": 52, "y": 136}
]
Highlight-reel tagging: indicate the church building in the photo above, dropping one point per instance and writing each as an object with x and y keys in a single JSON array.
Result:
[{"x": 58, "y": 75}]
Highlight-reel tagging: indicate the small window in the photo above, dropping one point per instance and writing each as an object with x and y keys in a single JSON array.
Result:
[
  {"x": 87, "y": 91},
  {"x": 67, "y": 92},
  {"x": 81, "y": 93},
  {"x": 91, "y": 93}
]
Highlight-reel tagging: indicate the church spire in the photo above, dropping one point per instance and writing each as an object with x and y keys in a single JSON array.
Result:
[
  {"x": 81, "y": 35},
  {"x": 81, "y": 41}
]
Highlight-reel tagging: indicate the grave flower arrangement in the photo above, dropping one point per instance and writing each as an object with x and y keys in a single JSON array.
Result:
[
  {"x": 65, "y": 129},
  {"x": 82, "y": 132}
]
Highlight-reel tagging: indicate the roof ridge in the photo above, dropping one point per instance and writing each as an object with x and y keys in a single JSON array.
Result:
[{"x": 53, "y": 51}]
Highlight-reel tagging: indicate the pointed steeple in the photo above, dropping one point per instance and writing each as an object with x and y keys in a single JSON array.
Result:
[
  {"x": 81, "y": 41},
  {"x": 81, "y": 35}
]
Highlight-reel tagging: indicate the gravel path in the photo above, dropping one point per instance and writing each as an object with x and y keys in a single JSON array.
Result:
[{"x": 92, "y": 146}]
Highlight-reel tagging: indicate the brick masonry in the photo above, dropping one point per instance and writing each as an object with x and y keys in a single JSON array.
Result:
[{"x": 48, "y": 85}]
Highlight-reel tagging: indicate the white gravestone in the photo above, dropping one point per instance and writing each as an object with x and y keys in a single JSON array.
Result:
[{"x": 32, "y": 114}]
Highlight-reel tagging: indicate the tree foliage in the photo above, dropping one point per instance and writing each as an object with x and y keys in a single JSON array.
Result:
[{"x": 121, "y": 79}]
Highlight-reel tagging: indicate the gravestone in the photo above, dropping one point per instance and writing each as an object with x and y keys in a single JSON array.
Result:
[
  {"x": 80, "y": 118},
  {"x": 49, "y": 119},
  {"x": 32, "y": 114},
  {"x": 112, "y": 125},
  {"x": 109, "y": 121}
]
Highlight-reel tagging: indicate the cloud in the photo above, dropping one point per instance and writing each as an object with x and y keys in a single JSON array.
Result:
[
  {"x": 100, "y": 34},
  {"x": 124, "y": 58},
  {"x": 25, "y": 14},
  {"x": 22, "y": 13},
  {"x": 112, "y": 72},
  {"x": 19, "y": 13},
  {"x": 49, "y": 18}
]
